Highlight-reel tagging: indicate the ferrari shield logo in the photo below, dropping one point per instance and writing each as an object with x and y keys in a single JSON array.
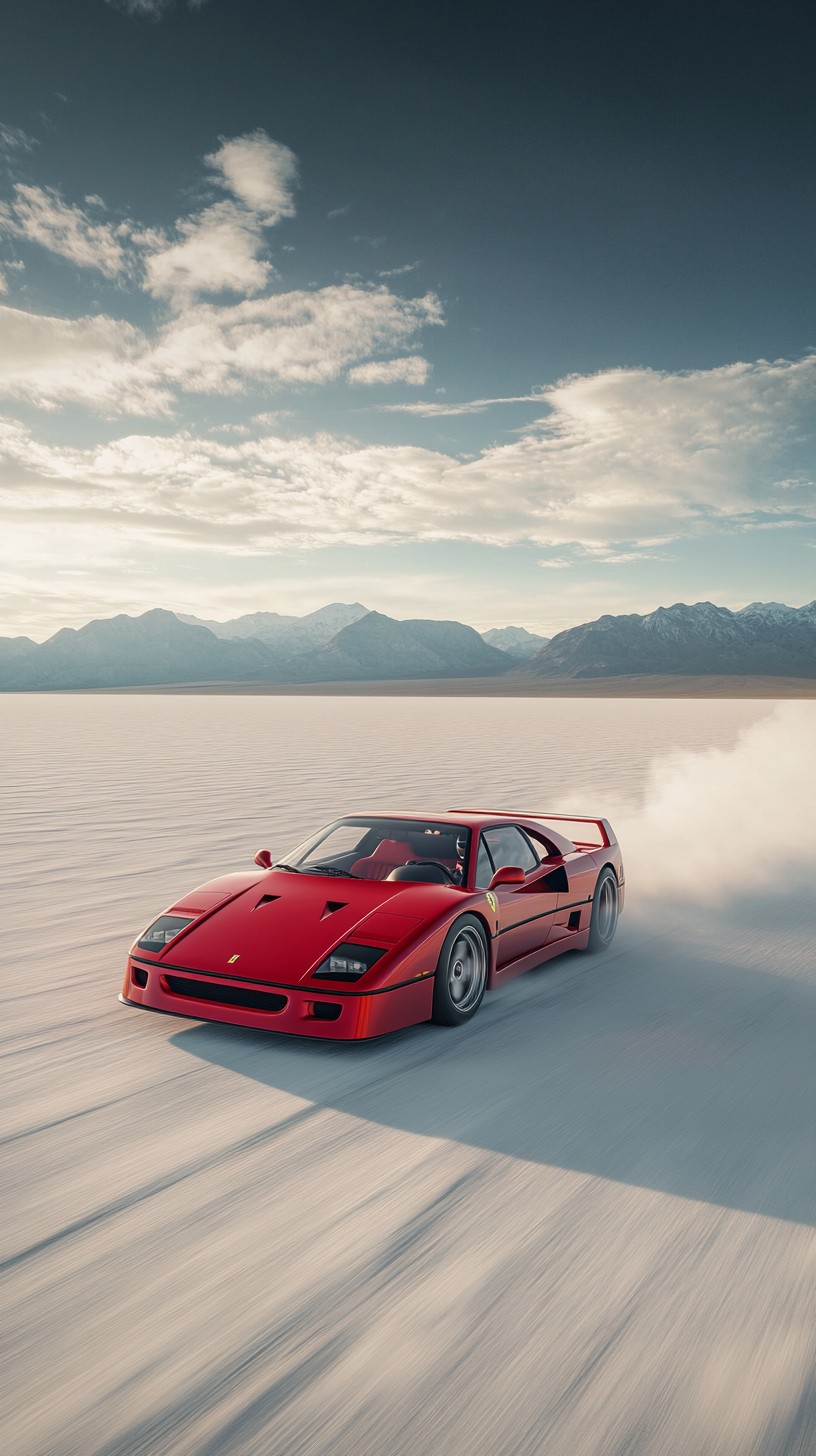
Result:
[
  {"x": 492, "y": 902},
  {"x": 232, "y": 960}
]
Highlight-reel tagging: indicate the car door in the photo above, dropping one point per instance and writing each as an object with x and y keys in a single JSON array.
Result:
[{"x": 525, "y": 911}]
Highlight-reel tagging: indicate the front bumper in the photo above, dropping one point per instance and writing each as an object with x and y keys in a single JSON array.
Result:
[{"x": 305, "y": 1012}]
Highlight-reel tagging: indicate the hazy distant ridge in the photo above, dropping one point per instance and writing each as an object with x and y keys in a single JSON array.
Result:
[
  {"x": 379, "y": 647},
  {"x": 288, "y": 635},
  {"x": 762, "y": 638},
  {"x": 516, "y": 640}
]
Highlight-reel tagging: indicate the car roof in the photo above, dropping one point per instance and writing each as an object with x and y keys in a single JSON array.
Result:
[
  {"x": 472, "y": 817},
  {"x": 475, "y": 819}
]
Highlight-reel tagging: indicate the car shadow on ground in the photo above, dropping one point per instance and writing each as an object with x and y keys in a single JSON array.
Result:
[{"x": 664, "y": 1064}]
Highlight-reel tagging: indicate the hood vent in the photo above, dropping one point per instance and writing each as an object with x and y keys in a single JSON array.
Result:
[
  {"x": 266, "y": 900},
  {"x": 331, "y": 906}
]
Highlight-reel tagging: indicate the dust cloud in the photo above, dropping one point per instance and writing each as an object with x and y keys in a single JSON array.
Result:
[{"x": 723, "y": 821}]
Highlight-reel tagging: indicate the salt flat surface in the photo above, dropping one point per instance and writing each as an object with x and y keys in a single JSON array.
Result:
[{"x": 580, "y": 1225}]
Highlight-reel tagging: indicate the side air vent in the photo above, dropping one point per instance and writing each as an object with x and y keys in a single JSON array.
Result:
[
  {"x": 224, "y": 995},
  {"x": 557, "y": 880},
  {"x": 332, "y": 906},
  {"x": 266, "y": 900},
  {"x": 574, "y": 921}
]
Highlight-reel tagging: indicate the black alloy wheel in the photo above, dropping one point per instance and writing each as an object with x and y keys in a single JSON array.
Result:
[
  {"x": 461, "y": 973},
  {"x": 604, "y": 919}
]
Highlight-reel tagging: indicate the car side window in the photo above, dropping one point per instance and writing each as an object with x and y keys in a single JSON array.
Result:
[
  {"x": 484, "y": 867},
  {"x": 508, "y": 846}
]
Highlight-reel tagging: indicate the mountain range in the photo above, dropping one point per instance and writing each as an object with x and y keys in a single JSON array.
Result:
[
  {"x": 345, "y": 642},
  {"x": 377, "y": 646},
  {"x": 762, "y": 638},
  {"x": 288, "y": 635},
  {"x": 516, "y": 640}
]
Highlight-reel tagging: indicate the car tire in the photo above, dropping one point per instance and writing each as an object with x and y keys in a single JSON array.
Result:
[
  {"x": 604, "y": 919},
  {"x": 461, "y": 973}
]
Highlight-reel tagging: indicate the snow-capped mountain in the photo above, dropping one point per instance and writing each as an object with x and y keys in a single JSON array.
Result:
[
  {"x": 516, "y": 640},
  {"x": 764, "y": 638},
  {"x": 291, "y": 635}
]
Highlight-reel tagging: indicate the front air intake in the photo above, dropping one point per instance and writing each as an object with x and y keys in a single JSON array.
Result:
[
  {"x": 224, "y": 995},
  {"x": 326, "y": 1010}
]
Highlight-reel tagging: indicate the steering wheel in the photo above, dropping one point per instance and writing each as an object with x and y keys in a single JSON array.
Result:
[{"x": 437, "y": 865}]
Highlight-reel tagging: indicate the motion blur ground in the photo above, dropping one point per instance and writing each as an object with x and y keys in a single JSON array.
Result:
[{"x": 579, "y": 1224}]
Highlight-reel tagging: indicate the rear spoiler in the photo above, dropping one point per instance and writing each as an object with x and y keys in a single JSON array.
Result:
[{"x": 603, "y": 838}]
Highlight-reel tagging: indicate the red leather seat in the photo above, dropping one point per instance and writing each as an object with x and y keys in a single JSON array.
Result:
[{"x": 387, "y": 856}]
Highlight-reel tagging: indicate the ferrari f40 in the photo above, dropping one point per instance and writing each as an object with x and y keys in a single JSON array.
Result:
[{"x": 381, "y": 921}]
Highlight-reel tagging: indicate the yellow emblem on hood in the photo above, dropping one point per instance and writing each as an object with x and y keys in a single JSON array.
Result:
[
  {"x": 232, "y": 960},
  {"x": 492, "y": 902}
]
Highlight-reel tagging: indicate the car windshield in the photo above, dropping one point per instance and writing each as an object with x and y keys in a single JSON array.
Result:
[{"x": 369, "y": 848}]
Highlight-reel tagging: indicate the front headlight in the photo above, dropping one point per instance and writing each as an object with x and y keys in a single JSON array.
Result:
[
  {"x": 165, "y": 929},
  {"x": 348, "y": 962}
]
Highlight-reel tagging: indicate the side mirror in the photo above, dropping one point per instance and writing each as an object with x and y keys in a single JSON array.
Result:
[
  {"x": 508, "y": 875},
  {"x": 264, "y": 859}
]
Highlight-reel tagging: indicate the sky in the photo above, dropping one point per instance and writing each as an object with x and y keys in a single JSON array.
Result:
[{"x": 500, "y": 314}]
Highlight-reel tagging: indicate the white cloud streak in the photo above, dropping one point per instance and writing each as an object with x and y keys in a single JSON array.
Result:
[
  {"x": 291, "y": 338},
  {"x": 41, "y": 215},
  {"x": 294, "y": 338},
  {"x": 151, "y": 9},
  {"x": 624, "y": 461},
  {"x": 96, "y": 361},
  {"x": 430, "y": 409},
  {"x": 413, "y": 370},
  {"x": 14, "y": 139}
]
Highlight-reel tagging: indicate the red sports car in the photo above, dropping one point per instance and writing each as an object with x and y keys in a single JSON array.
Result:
[{"x": 381, "y": 921}]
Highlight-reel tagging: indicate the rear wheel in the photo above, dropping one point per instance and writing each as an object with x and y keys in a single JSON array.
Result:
[
  {"x": 604, "y": 919},
  {"x": 461, "y": 973}
]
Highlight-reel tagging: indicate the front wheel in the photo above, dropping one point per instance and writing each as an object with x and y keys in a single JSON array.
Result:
[
  {"x": 604, "y": 919},
  {"x": 461, "y": 974}
]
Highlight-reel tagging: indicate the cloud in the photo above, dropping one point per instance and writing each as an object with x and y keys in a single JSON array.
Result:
[
  {"x": 151, "y": 9},
  {"x": 397, "y": 272},
  {"x": 41, "y": 215},
  {"x": 218, "y": 250},
  {"x": 14, "y": 139},
  {"x": 295, "y": 338},
  {"x": 98, "y": 361},
  {"x": 298, "y": 337},
  {"x": 428, "y": 409},
  {"x": 260, "y": 172},
  {"x": 220, "y": 247},
  {"x": 627, "y": 457},
  {"x": 413, "y": 370},
  {"x": 291, "y": 338},
  {"x": 339, "y": 211}
]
